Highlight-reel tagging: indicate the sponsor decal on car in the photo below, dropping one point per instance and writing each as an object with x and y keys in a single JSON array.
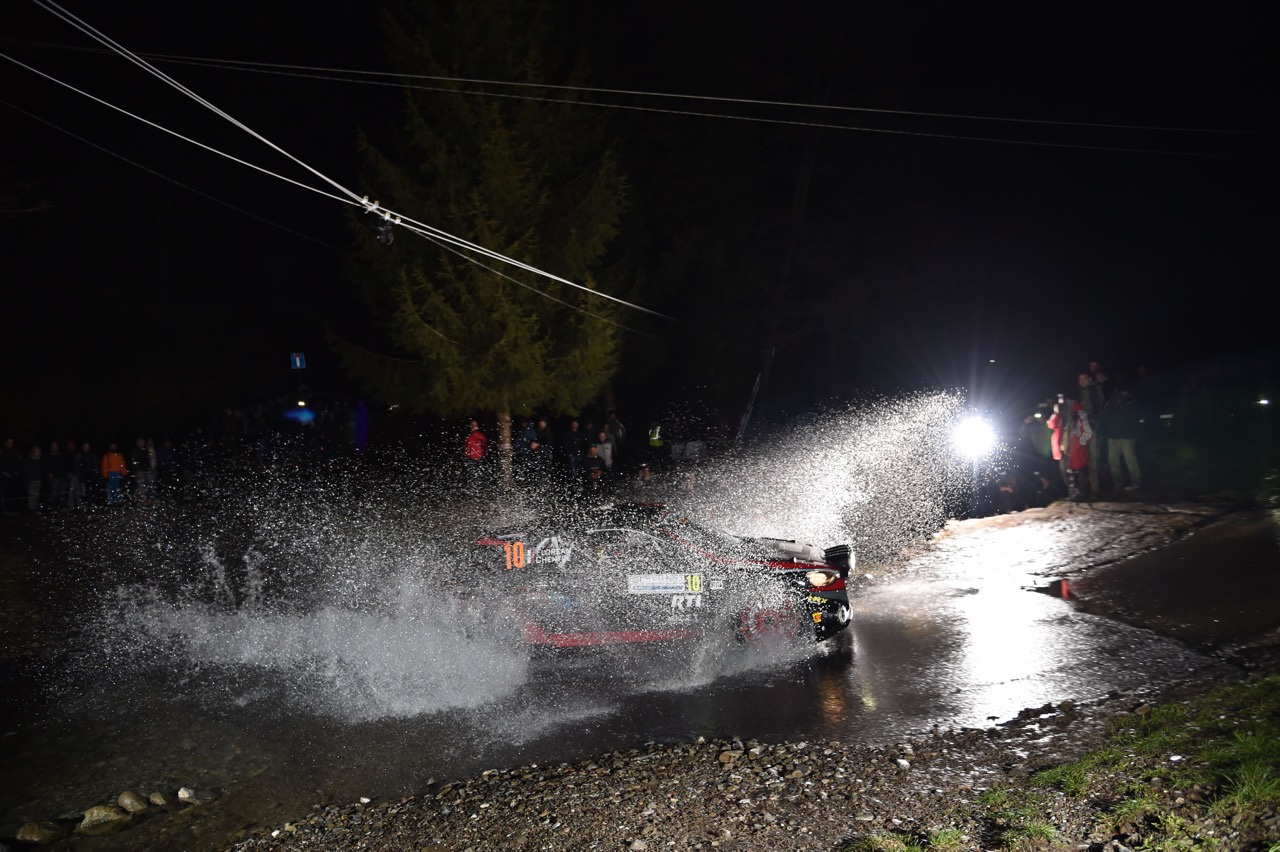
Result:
[
  {"x": 663, "y": 584},
  {"x": 686, "y": 601},
  {"x": 517, "y": 554}
]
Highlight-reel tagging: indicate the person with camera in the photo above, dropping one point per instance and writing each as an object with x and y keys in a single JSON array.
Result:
[{"x": 1072, "y": 434}]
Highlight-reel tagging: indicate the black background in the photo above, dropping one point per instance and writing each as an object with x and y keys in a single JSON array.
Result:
[{"x": 130, "y": 297}]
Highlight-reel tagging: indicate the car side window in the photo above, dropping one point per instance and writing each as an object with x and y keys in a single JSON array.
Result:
[{"x": 628, "y": 546}]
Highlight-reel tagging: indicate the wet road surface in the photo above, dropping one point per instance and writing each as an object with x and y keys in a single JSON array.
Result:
[{"x": 957, "y": 635}]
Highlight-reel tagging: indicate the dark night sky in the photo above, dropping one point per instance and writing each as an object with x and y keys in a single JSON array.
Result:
[{"x": 131, "y": 288}]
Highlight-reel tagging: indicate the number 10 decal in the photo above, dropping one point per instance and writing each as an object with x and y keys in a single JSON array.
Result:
[{"x": 515, "y": 554}]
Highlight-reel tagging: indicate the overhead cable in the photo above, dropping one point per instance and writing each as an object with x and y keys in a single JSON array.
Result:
[
  {"x": 280, "y": 68},
  {"x": 513, "y": 280},
  {"x": 164, "y": 129},
  {"x": 960, "y": 137},
  {"x": 356, "y": 199},
  {"x": 179, "y": 183}
]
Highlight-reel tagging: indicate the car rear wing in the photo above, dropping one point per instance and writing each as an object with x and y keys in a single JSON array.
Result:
[{"x": 840, "y": 556}]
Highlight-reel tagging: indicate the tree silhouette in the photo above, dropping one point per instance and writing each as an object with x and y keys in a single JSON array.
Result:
[{"x": 533, "y": 179}]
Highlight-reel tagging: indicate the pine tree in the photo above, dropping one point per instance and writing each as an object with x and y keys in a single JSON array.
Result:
[{"x": 532, "y": 179}]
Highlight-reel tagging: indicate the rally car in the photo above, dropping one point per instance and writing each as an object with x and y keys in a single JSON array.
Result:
[{"x": 638, "y": 573}]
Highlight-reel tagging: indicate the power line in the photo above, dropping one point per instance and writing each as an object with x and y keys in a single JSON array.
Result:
[
  {"x": 151, "y": 171},
  {"x": 434, "y": 234},
  {"x": 517, "y": 281},
  {"x": 164, "y": 129},
  {"x": 88, "y": 30},
  {"x": 960, "y": 137},
  {"x": 301, "y": 235},
  {"x": 281, "y": 68},
  {"x": 388, "y": 215}
]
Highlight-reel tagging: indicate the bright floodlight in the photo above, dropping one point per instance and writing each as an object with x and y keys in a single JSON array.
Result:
[{"x": 974, "y": 438}]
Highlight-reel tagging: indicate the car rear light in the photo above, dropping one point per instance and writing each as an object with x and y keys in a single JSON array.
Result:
[{"x": 820, "y": 577}]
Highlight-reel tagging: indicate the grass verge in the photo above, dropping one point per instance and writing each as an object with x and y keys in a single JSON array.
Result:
[{"x": 1203, "y": 773}]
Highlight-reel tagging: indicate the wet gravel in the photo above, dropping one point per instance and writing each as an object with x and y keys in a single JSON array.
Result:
[{"x": 729, "y": 794}]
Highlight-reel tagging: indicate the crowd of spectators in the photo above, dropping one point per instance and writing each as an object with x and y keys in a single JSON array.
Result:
[
  {"x": 1092, "y": 441},
  {"x": 1089, "y": 433},
  {"x": 74, "y": 475},
  {"x": 1096, "y": 440},
  {"x": 580, "y": 455},
  {"x": 584, "y": 456},
  {"x": 69, "y": 475}
]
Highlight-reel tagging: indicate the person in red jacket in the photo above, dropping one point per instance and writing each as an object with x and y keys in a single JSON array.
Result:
[
  {"x": 1072, "y": 434},
  {"x": 473, "y": 452}
]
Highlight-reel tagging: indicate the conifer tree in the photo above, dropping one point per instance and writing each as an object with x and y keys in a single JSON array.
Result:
[{"x": 533, "y": 179}]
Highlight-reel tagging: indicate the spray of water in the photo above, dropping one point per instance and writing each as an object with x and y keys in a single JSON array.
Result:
[
  {"x": 881, "y": 475},
  {"x": 341, "y": 592}
]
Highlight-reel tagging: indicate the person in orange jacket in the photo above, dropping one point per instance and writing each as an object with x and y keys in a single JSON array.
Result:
[{"x": 113, "y": 471}]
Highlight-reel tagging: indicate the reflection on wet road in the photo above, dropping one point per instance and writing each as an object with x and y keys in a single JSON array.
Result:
[{"x": 957, "y": 639}]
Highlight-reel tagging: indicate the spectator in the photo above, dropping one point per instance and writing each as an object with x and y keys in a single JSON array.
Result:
[
  {"x": 168, "y": 471},
  {"x": 593, "y": 465},
  {"x": 545, "y": 438},
  {"x": 90, "y": 474},
  {"x": 114, "y": 470},
  {"x": 655, "y": 440},
  {"x": 644, "y": 476},
  {"x": 605, "y": 449},
  {"x": 617, "y": 432},
  {"x": 1057, "y": 425},
  {"x": 10, "y": 477},
  {"x": 474, "y": 448},
  {"x": 575, "y": 445},
  {"x": 535, "y": 468},
  {"x": 56, "y": 471},
  {"x": 1010, "y": 493},
  {"x": 1120, "y": 423},
  {"x": 1092, "y": 400},
  {"x": 139, "y": 466},
  {"x": 1098, "y": 457},
  {"x": 75, "y": 491},
  {"x": 151, "y": 475},
  {"x": 525, "y": 437},
  {"x": 1080, "y": 437},
  {"x": 33, "y": 473}
]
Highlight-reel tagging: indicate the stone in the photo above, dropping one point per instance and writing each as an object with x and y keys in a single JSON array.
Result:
[
  {"x": 161, "y": 799},
  {"x": 101, "y": 819},
  {"x": 132, "y": 802},
  {"x": 40, "y": 833}
]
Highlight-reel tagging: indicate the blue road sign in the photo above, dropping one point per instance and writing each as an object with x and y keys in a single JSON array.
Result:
[{"x": 298, "y": 360}]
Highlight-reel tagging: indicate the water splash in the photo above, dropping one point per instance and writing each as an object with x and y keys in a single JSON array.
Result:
[
  {"x": 339, "y": 594},
  {"x": 881, "y": 475}
]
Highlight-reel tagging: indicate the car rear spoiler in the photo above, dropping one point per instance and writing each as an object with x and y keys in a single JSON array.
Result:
[{"x": 841, "y": 556}]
